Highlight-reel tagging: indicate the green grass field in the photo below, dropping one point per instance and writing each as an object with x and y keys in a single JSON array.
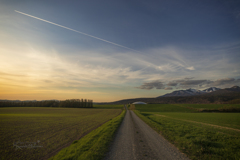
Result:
[
  {"x": 50, "y": 128},
  {"x": 162, "y": 108},
  {"x": 182, "y": 107},
  {"x": 231, "y": 120},
  {"x": 208, "y": 106},
  {"x": 199, "y": 135}
]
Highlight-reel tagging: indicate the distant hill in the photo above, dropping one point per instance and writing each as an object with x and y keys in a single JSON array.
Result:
[{"x": 227, "y": 95}]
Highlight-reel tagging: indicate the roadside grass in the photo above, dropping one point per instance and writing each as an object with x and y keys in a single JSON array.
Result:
[
  {"x": 94, "y": 145},
  {"x": 51, "y": 127},
  {"x": 196, "y": 140},
  {"x": 108, "y": 106}
]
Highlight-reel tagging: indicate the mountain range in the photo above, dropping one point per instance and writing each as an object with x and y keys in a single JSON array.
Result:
[
  {"x": 190, "y": 96},
  {"x": 190, "y": 92}
]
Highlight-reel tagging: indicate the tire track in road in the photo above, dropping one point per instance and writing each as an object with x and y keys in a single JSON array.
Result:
[{"x": 135, "y": 140}]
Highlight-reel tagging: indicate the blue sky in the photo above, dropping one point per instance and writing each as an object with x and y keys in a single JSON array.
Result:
[{"x": 172, "y": 45}]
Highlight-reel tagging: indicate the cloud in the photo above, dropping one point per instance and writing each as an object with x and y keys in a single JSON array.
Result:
[
  {"x": 167, "y": 67},
  {"x": 168, "y": 88},
  {"x": 188, "y": 78},
  {"x": 11, "y": 75},
  {"x": 186, "y": 83},
  {"x": 224, "y": 81},
  {"x": 172, "y": 84},
  {"x": 151, "y": 85},
  {"x": 70, "y": 67},
  {"x": 190, "y": 68},
  {"x": 192, "y": 82},
  {"x": 47, "y": 81}
]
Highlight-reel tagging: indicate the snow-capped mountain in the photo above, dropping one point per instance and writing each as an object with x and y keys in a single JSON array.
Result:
[
  {"x": 190, "y": 92},
  {"x": 211, "y": 89}
]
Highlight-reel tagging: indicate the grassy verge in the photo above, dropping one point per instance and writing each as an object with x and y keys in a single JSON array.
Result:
[
  {"x": 92, "y": 146},
  {"x": 196, "y": 140}
]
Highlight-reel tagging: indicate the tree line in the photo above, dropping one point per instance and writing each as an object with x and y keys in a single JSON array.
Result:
[{"x": 69, "y": 103}]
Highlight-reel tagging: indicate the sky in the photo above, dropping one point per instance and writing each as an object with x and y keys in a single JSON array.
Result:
[{"x": 111, "y": 50}]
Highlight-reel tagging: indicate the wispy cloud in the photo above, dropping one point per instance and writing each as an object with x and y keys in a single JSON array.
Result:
[
  {"x": 190, "y": 68},
  {"x": 50, "y": 68}
]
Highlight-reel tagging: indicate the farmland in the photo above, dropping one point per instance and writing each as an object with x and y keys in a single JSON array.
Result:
[
  {"x": 197, "y": 134},
  {"x": 49, "y": 128}
]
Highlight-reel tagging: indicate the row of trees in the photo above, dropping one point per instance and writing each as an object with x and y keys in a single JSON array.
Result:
[
  {"x": 76, "y": 103},
  {"x": 69, "y": 103}
]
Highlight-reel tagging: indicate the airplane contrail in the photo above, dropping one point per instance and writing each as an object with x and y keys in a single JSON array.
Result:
[{"x": 76, "y": 31}]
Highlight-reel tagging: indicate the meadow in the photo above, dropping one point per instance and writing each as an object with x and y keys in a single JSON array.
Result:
[
  {"x": 43, "y": 131},
  {"x": 199, "y": 135}
]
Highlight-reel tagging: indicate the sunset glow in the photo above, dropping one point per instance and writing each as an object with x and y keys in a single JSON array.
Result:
[{"x": 107, "y": 55}]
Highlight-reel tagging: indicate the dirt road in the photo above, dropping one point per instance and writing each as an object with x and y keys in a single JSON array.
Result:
[{"x": 136, "y": 140}]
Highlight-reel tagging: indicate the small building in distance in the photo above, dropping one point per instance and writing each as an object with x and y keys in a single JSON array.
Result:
[{"x": 139, "y": 103}]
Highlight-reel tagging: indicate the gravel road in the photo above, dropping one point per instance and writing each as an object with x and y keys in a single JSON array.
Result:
[{"x": 136, "y": 140}]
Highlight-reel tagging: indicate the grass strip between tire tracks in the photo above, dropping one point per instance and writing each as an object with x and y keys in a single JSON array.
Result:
[{"x": 94, "y": 145}]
